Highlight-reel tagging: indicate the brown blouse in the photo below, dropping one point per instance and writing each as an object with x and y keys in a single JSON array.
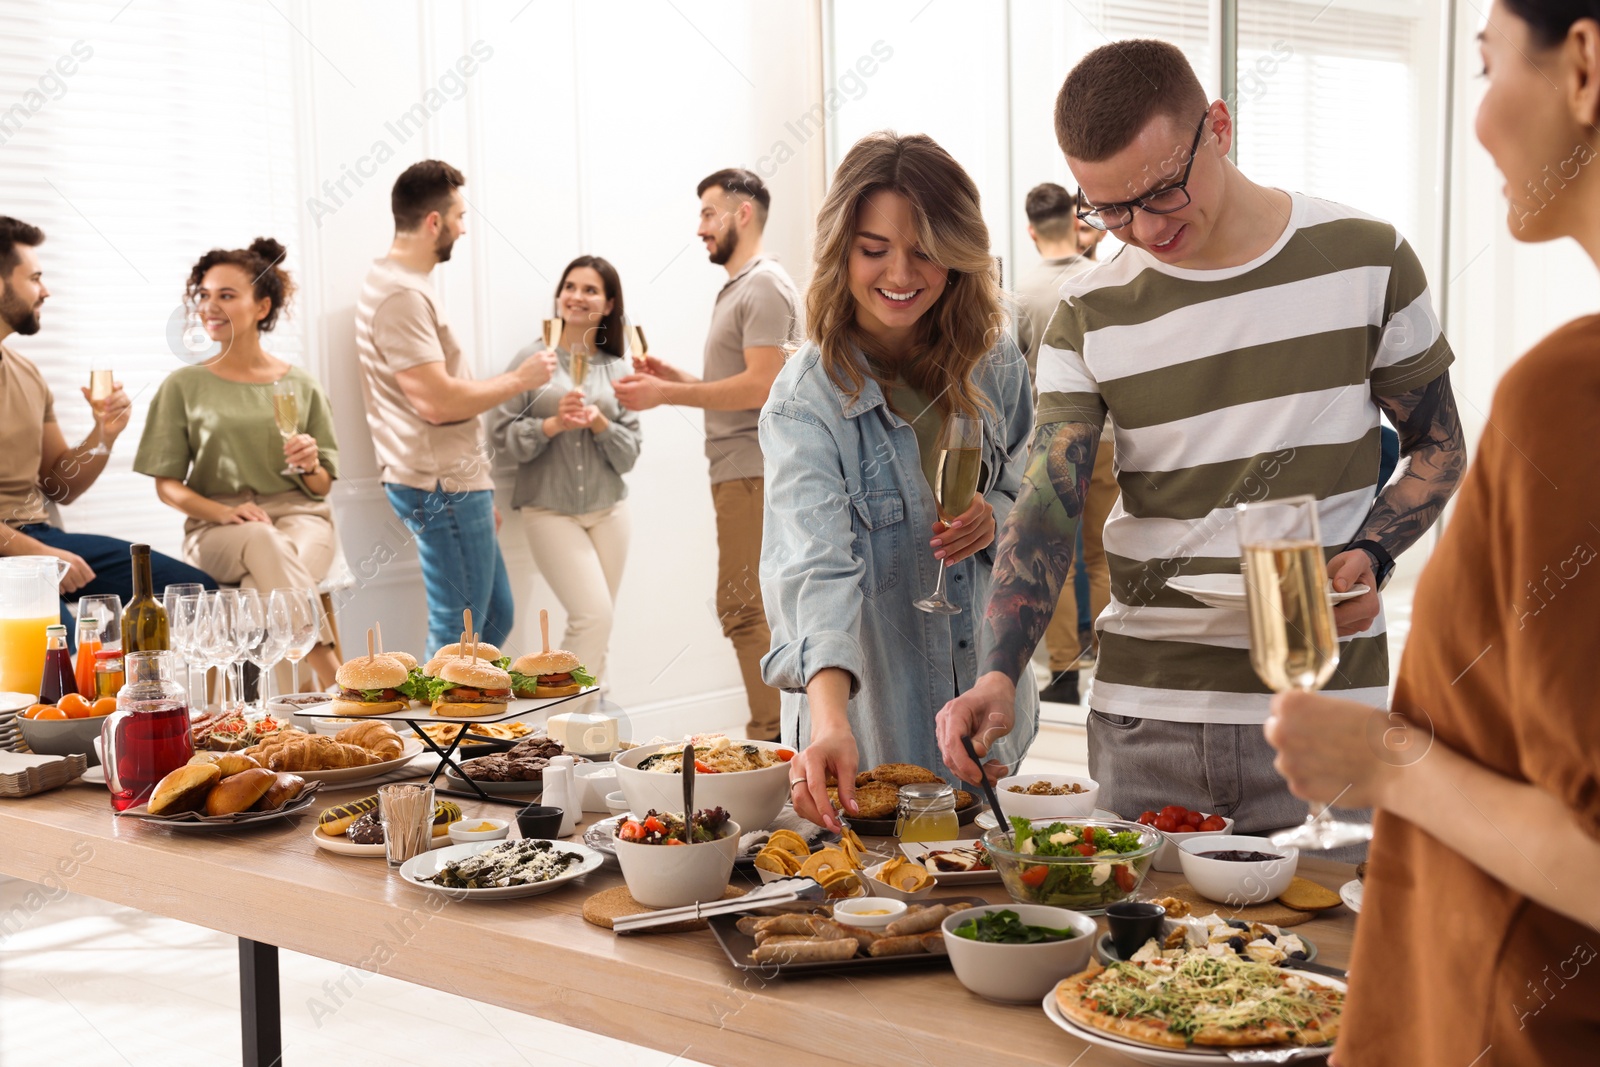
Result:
[{"x": 1450, "y": 965}]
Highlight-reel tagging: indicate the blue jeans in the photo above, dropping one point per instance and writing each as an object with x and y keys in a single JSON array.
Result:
[
  {"x": 112, "y": 564},
  {"x": 461, "y": 562}
]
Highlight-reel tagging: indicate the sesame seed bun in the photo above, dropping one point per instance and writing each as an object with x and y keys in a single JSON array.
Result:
[{"x": 376, "y": 672}]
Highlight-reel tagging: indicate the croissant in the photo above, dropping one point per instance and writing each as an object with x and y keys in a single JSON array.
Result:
[
  {"x": 316, "y": 753},
  {"x": 377, "y": 738}
]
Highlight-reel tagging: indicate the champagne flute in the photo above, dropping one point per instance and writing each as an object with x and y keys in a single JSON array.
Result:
[
  {"x": 552, "y": 333},
  {"x": 1294, "y": 644},
  {"x": 638, "y": 347},
  {"x": 956, "y": 482},
  {"x": 578, "y": 365},
  {"x": 102, "y": 383},
  {"x": 286, "y": 413}
]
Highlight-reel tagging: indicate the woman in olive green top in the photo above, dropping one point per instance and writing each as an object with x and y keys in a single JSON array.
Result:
[{"x": 256, "y": 502}]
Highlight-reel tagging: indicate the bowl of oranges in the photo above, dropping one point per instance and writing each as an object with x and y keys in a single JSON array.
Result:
[{"x": 65, "y": 728}]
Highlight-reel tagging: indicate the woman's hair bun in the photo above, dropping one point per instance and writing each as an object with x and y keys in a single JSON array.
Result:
[{"x": 268, "y": 249}]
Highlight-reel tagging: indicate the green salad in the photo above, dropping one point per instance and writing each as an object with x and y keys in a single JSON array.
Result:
[{"x": 1100, "y": 876}]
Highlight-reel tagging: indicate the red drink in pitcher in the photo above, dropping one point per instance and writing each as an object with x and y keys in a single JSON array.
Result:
[{"x": 148, "y": 736}]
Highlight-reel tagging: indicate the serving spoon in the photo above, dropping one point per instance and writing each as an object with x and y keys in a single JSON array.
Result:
[
  {"x": 688, "y": 793},
  {"x": 988, "y": 791}
]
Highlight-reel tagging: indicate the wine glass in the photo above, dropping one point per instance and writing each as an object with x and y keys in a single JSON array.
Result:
[
  {"x": 249, "y": 631},
  {"x": 295, "y": 618},
  {"x": 957, "y": 481},
  {"x": 218, "y": 640},
  {"x": 102, "y": 383},
  {"x": 180, "y": 599},
  {"x": 1294, "y": 644},
  {"x": 286, "y": 413}
]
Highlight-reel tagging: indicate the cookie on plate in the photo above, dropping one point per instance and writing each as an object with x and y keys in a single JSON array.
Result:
[
  {"x": 1305, "y": 895},
  {"x": 899, "y": 774}
]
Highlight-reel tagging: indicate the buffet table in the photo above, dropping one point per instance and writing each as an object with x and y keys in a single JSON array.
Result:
[{"x": 271, "y": 886}]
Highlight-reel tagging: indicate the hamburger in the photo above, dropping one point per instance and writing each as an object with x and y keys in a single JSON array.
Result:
[
  {"x": 468, "y": 688},
  {"x": 405, "y": 659},
  {"x": 371, "y": 685},
  {"x": 556, "y": 673},
  {"x": 486, "y": 652}
]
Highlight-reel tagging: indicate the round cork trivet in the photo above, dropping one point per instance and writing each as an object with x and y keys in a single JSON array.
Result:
[
  {"x": 1271, "y": 912},
  {"x": 616, "y": 902}
]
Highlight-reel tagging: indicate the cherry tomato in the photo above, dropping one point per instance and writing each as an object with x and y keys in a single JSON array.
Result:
[
  {"x": 630, "y": 831},
  {"x": 1034, "y": 877},
  {"x": 654, "y": 825},
  {"x": 1213, "y": 823},
  {"x": 785, "y": 754},
  {"x": 1174, "y": 811},
  {"x": 1166, "y": 824},
  {"x": 1124, "y": 877},
  {"x": 703, "y": 768},
  {"x": 674, "y": 841},
  {"x": 1148, "y": 818},
  {"x": 1194, "y": 818},
  {"x": 1085, "y": 849}
]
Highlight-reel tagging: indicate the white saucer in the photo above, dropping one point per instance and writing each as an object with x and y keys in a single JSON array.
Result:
[
  {"x": 1227, "y": 590},
  {"x": 95, "y": 775}
]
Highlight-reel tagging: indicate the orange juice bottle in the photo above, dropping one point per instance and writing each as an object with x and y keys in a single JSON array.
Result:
[{"x": 88, "y": 645}]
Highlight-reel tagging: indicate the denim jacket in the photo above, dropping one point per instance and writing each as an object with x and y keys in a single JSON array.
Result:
[{"x": 844, "y": 552}]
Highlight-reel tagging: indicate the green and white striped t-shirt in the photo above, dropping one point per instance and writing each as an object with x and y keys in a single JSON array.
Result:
[{"x": 1225, "y": 386}]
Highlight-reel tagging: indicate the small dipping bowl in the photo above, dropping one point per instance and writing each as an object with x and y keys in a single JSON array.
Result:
[
  {"x": 462, "y": 832},
  {"x": 1133, "y": 923},
  {"x": 539, "y": 821},
  {"x": 869, "y": 913},
  {"x": 617, "y": 803}
]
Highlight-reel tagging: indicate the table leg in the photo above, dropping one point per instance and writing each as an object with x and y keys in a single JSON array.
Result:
[{"x": 260, "y": 1018}]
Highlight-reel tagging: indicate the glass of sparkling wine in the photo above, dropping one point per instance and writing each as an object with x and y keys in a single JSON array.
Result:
[
  {"x": 1294, "y": 644},
  {"x": 102, "y": 383},
  {"x": 953, "y": 489},
  {"x": 286, "y": 413}
]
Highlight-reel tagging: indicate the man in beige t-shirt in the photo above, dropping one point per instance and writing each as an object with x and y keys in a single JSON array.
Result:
[
  {"x": 423, "y": 407},
  {"x": 757, "y": 313}
]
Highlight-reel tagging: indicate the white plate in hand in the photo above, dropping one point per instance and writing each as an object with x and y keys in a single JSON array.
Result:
[{"x": 1227, "y": 590}]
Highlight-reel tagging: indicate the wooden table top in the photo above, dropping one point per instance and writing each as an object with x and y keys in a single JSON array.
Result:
[{"x": 673, "y": 992}]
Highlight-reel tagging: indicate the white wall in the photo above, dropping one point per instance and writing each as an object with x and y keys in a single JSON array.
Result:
[{"x": 582, "y": 128}]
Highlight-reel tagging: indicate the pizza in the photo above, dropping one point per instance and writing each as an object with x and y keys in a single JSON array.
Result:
[{"x": 1200, "y": 999}]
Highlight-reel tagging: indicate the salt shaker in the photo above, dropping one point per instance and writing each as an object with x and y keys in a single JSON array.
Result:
[{"x": 559, "y": 792}]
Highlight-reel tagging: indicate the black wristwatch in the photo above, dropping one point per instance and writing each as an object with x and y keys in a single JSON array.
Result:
[{"x": 1382, "y": 562}]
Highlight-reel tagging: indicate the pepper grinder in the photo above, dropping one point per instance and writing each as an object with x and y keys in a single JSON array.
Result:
[{"x": 559, "y": 793}]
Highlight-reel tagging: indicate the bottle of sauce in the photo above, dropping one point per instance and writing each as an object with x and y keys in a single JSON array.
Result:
[
  {"x": 88, "y": 645},
  {"x": 144, "y": 620},
  {"x": 148, "y": 736},
  {"x": 927, "y": 813},
  {"x": 58, "y": 679},
  {"x": 108, "y": 675}
]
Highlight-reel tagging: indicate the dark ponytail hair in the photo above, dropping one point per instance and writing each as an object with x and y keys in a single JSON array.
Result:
[
  {"x": 263, "y": 261},
  {"x": 608, "y": 335},
  {"x": 1549, "y": 20}
]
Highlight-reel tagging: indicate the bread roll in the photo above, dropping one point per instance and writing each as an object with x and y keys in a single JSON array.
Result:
[
  {"x": 231, "y": 763},
  {"x": 285, "y": 787},
  {"x": 184, "y": 789},
  {"x": 238, "y": 792}
]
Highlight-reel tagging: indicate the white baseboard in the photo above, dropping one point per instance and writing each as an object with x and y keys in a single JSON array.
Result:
[{"x": 719, "y": 711}]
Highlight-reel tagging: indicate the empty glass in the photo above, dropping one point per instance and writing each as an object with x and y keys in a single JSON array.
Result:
[
  {"x": 172, "y": 598},
  {"x": 294, "y": 617}
]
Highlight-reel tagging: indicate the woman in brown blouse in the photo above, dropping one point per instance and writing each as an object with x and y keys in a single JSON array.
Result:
[{"x": 1477, "y": 940}]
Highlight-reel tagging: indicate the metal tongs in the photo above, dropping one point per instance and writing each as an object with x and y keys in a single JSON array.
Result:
[{"x": 778, "y": 891}]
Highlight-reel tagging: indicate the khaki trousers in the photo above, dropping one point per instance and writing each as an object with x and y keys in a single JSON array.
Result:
[
  {"x": 744, "y": 620},
  {"x": 1061, "y": 638},
  {"x": 582, "y": 557},
  {"x": 294, "y": 551}
]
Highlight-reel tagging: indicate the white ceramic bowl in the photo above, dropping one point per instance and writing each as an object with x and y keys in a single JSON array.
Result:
[
  {"x": 332, "y": 726},
  {"x": 885, "y": 891},
  {"x": 1072, "y": 806},
  {"x": 462, "y": 836},
  {"x": 595, "y": 781},
  {"x": 616, "y": 803},
  {"x": 751, "y": 798},
  {"x": 1235, "y": 884},
  {"x": 860, "y": 911},
  {"x": 1167, "y": 858},
  {"x": 1019, "y": 974},
  {"x": 670, "y": 876}
]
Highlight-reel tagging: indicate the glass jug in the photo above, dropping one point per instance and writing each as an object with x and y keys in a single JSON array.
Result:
[
  {"x": 147, "y": 737},
  {"x": 30, "y": 600}
]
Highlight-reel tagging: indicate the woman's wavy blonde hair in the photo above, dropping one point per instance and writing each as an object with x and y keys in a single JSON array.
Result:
[{"x": 968, "y": 318}]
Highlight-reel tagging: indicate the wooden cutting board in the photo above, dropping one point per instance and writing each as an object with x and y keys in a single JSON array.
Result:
[
  {"x": 1271, "y": 912},
  {"x": 616, "y": 902}
]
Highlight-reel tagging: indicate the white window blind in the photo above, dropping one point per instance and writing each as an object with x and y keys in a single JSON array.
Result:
[
  {"x": 1339, "y": 117},
  {"x": 172, "y": 134}
]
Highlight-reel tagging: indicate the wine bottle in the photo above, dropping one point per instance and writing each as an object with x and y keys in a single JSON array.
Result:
[{"x": 144, "y": 621}]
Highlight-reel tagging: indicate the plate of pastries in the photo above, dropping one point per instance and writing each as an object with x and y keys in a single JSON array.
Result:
[
  {"x": 221, "y": 790},
  {"x": 360, "y": 751},
  {"x": 356, "y": 828}
]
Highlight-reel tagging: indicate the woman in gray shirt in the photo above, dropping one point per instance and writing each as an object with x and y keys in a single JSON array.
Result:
[{"x": 573, "y": 443}]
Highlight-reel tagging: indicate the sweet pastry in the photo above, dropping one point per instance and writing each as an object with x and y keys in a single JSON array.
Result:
[
  {"x": 377, "y": 738},
  {"x": 185, "y": 789},
  {"x": 239, "y": 792},
  {"x": 309, "y": 752},
  {"x": 338, "y": 819},
  {"x": 230, "y": 763},
  {"x": 285, "y": 788},
  {"x": 367, "y": 830}
]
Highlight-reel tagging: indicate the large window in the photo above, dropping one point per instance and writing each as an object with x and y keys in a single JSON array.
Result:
[{"x": 137, "y": 136}]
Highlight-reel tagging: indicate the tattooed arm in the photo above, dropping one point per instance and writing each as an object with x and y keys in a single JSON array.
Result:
[
  {"x": 1435, "y": 458},
  {"x": 1032, "y": 559}
]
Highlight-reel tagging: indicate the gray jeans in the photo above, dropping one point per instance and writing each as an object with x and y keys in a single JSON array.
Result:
[{"x": 1146, "y": 764}]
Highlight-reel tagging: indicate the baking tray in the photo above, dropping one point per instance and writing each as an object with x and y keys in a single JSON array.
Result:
[{"x": 738, "y": 946}]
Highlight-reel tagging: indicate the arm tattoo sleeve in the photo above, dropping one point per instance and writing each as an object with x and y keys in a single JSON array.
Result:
[
  {"x": 1435, "y": 457},
  {"x": 1036, "y": 544}
]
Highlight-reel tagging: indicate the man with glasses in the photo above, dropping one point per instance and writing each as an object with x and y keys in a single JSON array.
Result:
[{"x": 1244, "y": 342}]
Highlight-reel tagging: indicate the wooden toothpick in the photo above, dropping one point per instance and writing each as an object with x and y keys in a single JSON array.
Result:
[{"x": 544, "y": 628}]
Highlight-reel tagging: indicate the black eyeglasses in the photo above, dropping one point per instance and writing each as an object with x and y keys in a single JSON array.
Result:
[{"x": 1161, "y": 202}]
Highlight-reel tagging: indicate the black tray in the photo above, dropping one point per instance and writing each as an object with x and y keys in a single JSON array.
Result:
[
  {"x": 738, "y": 945},
  {"x": 885, "y": 827}
]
